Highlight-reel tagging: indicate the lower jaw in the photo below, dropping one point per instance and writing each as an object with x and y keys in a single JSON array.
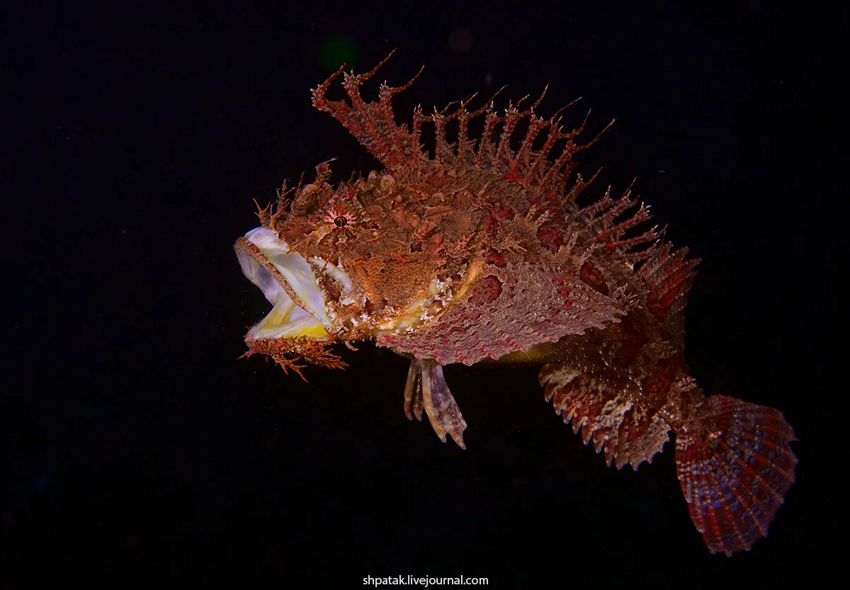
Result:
[{"x": 296, "y": 353}]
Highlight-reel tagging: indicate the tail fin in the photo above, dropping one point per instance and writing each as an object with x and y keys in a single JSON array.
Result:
[{"x": 735, "y": 465}]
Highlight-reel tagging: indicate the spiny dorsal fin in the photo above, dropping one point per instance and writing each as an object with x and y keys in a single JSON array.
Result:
[{"x": 373, "y": 124}]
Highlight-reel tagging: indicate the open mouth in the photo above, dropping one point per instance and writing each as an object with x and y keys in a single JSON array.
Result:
[{"x": 287, "y": 281}]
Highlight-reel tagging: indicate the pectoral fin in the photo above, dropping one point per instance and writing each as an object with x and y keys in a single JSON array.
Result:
[{"x": 508, "y": 310}]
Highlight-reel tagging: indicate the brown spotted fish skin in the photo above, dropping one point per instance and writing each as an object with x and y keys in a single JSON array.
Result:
[{"x": 489, "y": 251}]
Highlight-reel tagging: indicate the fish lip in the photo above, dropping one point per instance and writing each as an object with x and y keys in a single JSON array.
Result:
[{"x": 288, "y": 283}]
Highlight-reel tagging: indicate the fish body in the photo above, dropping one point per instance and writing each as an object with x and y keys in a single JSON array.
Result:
[{"x": 489, "y": 252}]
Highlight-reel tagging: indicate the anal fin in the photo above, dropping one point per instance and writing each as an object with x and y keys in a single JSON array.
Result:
[{"x": 624, "y": 429}]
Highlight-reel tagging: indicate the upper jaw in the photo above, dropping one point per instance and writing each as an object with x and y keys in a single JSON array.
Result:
[{"x": 289, "y": 283}]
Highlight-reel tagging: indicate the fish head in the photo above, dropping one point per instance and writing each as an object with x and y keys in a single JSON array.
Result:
[{"x": 350, "y": 263}]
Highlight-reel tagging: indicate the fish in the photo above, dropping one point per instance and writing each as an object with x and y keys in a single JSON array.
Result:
[{"x": 489, "y": 250}]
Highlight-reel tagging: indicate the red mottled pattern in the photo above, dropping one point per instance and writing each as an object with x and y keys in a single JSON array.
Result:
[
  {"x": 593, "y": 277},
  {"x": 664, "y": 375},
  {"x": 631, "y": 342}
]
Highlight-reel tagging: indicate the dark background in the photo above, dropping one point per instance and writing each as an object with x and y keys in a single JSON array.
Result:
[{"x": 138, "y": 450}]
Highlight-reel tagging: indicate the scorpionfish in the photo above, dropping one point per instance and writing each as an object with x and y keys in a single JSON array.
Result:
[{"x": 484, "y": 253}]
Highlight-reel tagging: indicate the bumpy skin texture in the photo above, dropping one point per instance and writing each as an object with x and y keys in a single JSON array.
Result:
[{"x": 485, "y": 253}]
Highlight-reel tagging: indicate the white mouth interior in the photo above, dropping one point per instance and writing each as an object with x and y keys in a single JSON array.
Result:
[{"x": 286, "y": 319}]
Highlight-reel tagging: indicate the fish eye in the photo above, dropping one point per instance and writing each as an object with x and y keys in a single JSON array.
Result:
[{"x": 340, "y": 221}]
